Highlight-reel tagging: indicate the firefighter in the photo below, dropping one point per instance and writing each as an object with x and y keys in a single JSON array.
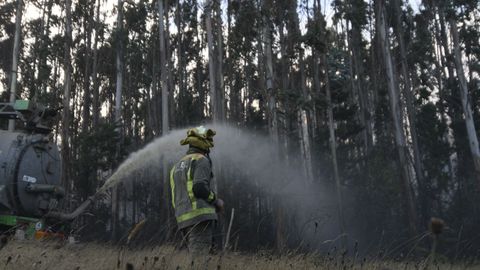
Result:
[{"x": 193, "y": 192}]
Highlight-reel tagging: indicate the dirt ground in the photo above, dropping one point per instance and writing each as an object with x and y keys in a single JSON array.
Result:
[{"x": 47, "y": 255}]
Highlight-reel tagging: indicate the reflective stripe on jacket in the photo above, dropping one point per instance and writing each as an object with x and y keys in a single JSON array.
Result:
[{"x": 190, "y": 210}]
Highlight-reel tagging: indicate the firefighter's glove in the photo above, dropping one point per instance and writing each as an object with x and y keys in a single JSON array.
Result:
[{"x": 219, "y": 205}]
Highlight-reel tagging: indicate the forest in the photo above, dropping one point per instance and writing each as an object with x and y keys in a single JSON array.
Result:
[{"x": 374, "y": 105}]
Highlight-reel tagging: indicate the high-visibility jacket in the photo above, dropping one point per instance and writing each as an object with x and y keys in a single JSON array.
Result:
[{"x": 192, "y": 170}]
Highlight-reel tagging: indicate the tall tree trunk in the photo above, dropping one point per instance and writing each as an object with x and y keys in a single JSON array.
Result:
[
  {"x": 247, "y": 91},
  {"x": 219, "y": 63},
  {"x": 15, "y": 56},
  {"x": 333, "y": 151},
  {"x": 163, "y": 69},
  {"x": 396, "y": 115},
  {"x": 444, "y": 41},
  {"x": 360, "y": 85},
  {"x": 87, "y": 99},
  {"x": 411, "y": 110},
  {"x": 42, "y": 62},
  {"x": 156, "y": 101},
  {"x": 40, "y": 43},
  {"x": 96, "y": 98},
  {"x": 168, "y": 67},
  {"x": 230, "y": 65},
  {"x": 118, "y": 111},
  {"x": 119, "y": 64},
  {"x": 211, "y": 63},
  {"x": 181, "y": 63},
  {"x": 285, "y": 125},
  {"x": 267, "y": 52},
  {"x": 317, "y": 92},
  {"x": 165, "y": 102},
  {"x": 67, "y": 69},
  {"x": 440, "y": 62},
  {"x": 66, "y": 97},
  {"x": 304, "y": 122},
  {"x": 316, "y": 73},
  {"x": 466, "y": 105},
  {"x": 454, "y": 112}
]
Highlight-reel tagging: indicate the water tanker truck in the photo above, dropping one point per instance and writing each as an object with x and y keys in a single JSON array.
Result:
[{"x": 30, "y": 171}]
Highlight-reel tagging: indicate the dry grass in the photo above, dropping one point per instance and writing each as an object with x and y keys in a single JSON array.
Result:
[{"x": 18, "y": 255}]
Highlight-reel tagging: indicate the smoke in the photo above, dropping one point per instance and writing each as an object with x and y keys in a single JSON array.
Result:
[
  {"x": 308, "y": 205},
  {"x": 239, "y": 155}
]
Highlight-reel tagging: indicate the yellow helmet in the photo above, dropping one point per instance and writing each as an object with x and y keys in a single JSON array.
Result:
[{"x": 199, "y": 137}]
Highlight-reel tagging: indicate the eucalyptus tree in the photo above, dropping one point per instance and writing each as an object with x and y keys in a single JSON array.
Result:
[
  {"x": 134, "y": 67},
  {"x": 214, "y": 90},
  {"x": 189, "y": 101},
  {"x": 267, "y": 36},
  {"x": 163, "y": 68},
  {"x": 464, "y": 96},
  {"x": 15, "y": 56},
  {"x": 86, "y": 10},
  {"x": 95, "y": 78},
  {"x": 119, "y": 32},
  {"x": 181, "y": 73},
  {"x": 7, "y": 36},
  {"x": 241, "y": 69},
  {"x": 351, "y": 17},
  {"x": 409, "y": 96},
  {"x": 67, "y": 83},
  {"x": 396, "y": 112},
  {"x": 219, "y": 61},
  {"x": 49, "y": 20},
  {"x": 447, "y": 17},
  {"x": 333, "y": 92},
  {"x": 279, "y": 16}
]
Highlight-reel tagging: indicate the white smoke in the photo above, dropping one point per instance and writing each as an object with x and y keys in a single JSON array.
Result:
[{"x": 258, "y": 161}]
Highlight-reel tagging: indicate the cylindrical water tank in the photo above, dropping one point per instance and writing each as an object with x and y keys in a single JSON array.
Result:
[{"x": 30, "y": 174}]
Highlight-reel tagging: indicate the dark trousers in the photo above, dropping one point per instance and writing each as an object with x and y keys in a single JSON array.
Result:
[{"x": 199, "y": 238}]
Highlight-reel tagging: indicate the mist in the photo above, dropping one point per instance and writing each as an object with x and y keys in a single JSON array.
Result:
[{"x": 252, "y": 162}]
